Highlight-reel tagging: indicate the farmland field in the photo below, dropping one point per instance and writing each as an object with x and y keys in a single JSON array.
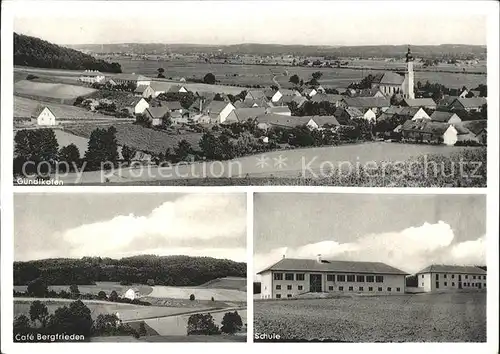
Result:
[
  {"x": 236, "y": 74},
  {"x": 107, "y": 287},
  {"x": 227, "y": 283},
  {"x": 50, "y": 90},
  {"x": 178, "y": 292},
  {"x": 447, "y": 317}
]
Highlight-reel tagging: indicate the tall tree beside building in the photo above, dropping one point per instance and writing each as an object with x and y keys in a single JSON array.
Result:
[{"x": 102, "y": 149}]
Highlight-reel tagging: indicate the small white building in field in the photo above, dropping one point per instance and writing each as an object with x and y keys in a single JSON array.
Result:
[
  {"x": 292, "y": 277},
  {"x": 435, "y": 278},
  {"x": 44, "y": 116},
  {"x": 139, "y": 105},
  {"x": 131, "y": 294}
]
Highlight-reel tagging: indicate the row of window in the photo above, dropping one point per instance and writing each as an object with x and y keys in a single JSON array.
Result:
[
  {"x": 341, "y": 288},
  {"x": 289, "y": 287},
  {"x": 351, "y": 278},
  {"x": 465, "y": 285},
  {"x": 465, "y": 276}
]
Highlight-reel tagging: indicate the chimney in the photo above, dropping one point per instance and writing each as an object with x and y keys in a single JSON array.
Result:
[{"x": 318, "y": 258}]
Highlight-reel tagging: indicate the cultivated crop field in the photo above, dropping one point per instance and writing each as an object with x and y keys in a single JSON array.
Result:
[
  {"x": 449, "y": 317},
  {"x": 107, "y": 287},
  {"x": 50, "y": 90},
  {"x": 236, "y": 74},
  {"x": 227, "y": 283}
]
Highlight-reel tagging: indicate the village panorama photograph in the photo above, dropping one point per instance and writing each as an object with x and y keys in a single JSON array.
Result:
[
  {"x": 369, "y": 268},
  {"x": 281, "y": 96},
  {"x": 130, "y": 268}
]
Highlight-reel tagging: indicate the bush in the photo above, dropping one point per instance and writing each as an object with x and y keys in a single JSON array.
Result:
[
  {"x": 202, "y": 324},
  {"x": 191, "y": 297},
  {"x": 231, "y": 322},
  {"x": 31, "y": 77}
]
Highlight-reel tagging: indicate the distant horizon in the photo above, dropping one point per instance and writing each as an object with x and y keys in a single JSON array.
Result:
[{"x": 120, "y": 258}]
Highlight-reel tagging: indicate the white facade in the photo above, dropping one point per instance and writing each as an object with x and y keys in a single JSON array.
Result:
[
  {"x": 141, "y": 106},
  {"x": 454, "y": 119},
  {"x": 130, "y": 294},
  {"x": 289, "y": 284},
  {"x": 370, "y": 115},
  {"x": 46, "y": 118},
  {"x": 421, "y": 114},
  {"x": 439, "y": 281},
  {"x": 224, "y": 113},
  {"x": 450, "y": 136},
  {"x": 90, "y": 77}
]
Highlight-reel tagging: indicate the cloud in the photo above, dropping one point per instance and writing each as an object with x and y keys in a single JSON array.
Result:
[
  {"x": 192, "y": 219},
  {"x": 410, "y": 249}
]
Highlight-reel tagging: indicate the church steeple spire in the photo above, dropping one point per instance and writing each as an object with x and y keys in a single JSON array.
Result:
[{"x": 409, "y": 56}]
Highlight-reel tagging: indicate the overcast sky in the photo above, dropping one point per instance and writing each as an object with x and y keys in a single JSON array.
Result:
[
  {"x": 314, "y": 23},
  {"x": 405, "y": 231},
  {"x": 119, "y": 225}
]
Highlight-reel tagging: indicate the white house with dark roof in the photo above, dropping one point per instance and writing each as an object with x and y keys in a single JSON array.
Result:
[
  {"x": 145, "y": 91},
  {"x": 389, "y": 83},
  {"x": 445, "y": 117},
  {"x": 139, "y": 80},
  {"x": 420, "y": 102},
  {"x": 435, "y": 278},
  {"x": 92, "y": 76},
  {"x": 138, "y": 105},
  {"x": 218, "y": 111},
  {"x": 44, "y": 116},
  {"x": 290, "y": 278}
]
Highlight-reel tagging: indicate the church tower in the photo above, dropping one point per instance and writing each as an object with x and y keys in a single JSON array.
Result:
[{"x": 409, "y": 80}]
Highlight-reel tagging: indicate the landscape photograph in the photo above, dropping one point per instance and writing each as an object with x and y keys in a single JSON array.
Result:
[
  {"x": 130, "y": 268},
  {"x": 374, "y": 268},
  {"x": 231, "y": 100}
]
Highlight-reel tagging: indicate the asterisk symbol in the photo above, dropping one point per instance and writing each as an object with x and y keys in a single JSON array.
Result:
[
  {"x": 262, "y": 161},
  {"x": 280, "y": 161}
]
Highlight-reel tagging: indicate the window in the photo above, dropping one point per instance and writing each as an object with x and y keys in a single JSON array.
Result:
[
  {"x": 300, "y": 287},
  {"x": 422, "y": 276},
  {"x": 299, "y": 276},
  {"x": 361, "y": 288},
  {"x": 485, "y": 285},
  {"x": 351, "y": 288},
  {"x": 370, "y": 288},
  {"x": 360, "y": 278},
  {"x": 370, "y": 278},
  {"x": 288, "y": 295},
  {"x": 437, "y": 276},
  {"x": 389, "y": 289},
  {"x": 340, "y": 277},
  {"x": 453, "y": 276},
  {"x": 484, "y": 277},
  {"x": 452, "y": 284},
  {"x": 330, "y": 277},
  {"x": 445, "y": 284},
  {"x": 422, "y": 284},
  {"x": 379, "y": 278},
  {"x": 466, "y": 277},
  {"x": 350, "y": 278},
  {"x": 288, "y": 287},
  {"x": 341, "y": 288},
  {"x": 330, "y": 288},
  {"x": 278, "y": 287},
  {"x": 278, "y": 296},
  {"x": 278, "y": 276},
  {"x": 437, "y": 285},
  {"x": 288, "y": 276},
  {"x": 445, "y": 276},
  {"x": 473, "y": 277},
  {"x": 398, "y": 289},
  {"x": 379, "y": 289}
]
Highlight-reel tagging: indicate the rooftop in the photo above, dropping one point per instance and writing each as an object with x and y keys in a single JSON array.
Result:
[
  {"x": 312, "y": 265},
  {"x": 367, "y": 102},
  {"x": 441, "y": 268}
]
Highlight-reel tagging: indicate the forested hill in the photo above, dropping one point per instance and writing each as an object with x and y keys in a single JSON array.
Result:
[
  {"x": 169, "y": 270},
  {"x": 35, "y": 52}
]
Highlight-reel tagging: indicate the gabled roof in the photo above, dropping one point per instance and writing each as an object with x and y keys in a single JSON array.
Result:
[
  {"x": 367, "y": 102},
  {"x": 323, "y": 120},
  {"x": 306, "y": 265},
  {"x": 420, "y": 102},
  {"x": 441, "y": 268},
  {"x": 243, "y": 114},
  {"x": 393, "y": 109},
  {"x": 282, "y": 120},
  {"x": 447, "y": 100},
  {"x": 172, "y": 105},
  {"x": 408, "y": 111},
  {"x": 255, "y": 94},
  {"x": 425, "y": 126},
  {"x": 134, "y": 101},
  {"x": 472, "y": 102},
  {"x": 388, "y": 78},
  {"x": 321, "y": 97},
  {"x": 141, "y": 89},
  {"x": 157, "y": 112},
  {"x": 278, "y": 109},
  {"x": 367, "y": 92},
  {"x": 353, "y": 112},
  {"x": 440, "y": 116},
  {"x": 176, "y": 88},
  {"x": 215, "y": 107},
  {"x": 474, "y": 126}
]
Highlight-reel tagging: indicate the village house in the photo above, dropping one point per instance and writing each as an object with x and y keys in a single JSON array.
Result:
[
  {"x": 138, "y": 105},
  {"x": 435, "y": 278},
  {"x": 177, "y": 89},
  {"x": 388, "y": 83},
  {"x": 132, "y": 294},
  {"x": 244, "y": 114},
  {"x": 283, "y": 110},
  {"x": 144, "y": 91},
  {"x": 345, "y": 115},
  {"x": 476, "y": 131},
  {"x": 473, "y": 104},
  {"x": 267, "y": 121},
  {"x": 427, "y": 131},
  {"x": 44, "y": 116},
  {"x": 445, "y": 117},
  {"x": 275, "y": 96},
  {"x": 255, "y": 95},
  {"x": 290, "y": 278},
  {"x": 218, "y": 111},
  {"x": 445, "y": 102},
  {"x": 376, "y": 104},
  {"x": 124, "y": 79},
  {"x": 413, "y": 113},
  {"x": 325, "y": 97},
  {"x": 371, "y": 92},
  {"x": 173, "y": 106},
  {"x": 419, "y": 102},
  {"x": 155, "y": 115},
  {"x": 199, "y": 119},
  {"x": 309, "y": 92},
  {"x": 369, "y": 115},
  {"x": 92, "y": 77},
  {"x": 389, "y": 113},
  {"x": 178, "y": 118},
  {"x": 320, "y": 122}
]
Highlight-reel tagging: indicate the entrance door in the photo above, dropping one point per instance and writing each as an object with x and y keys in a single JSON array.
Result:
[
  {"x": 479, "y": 285},
  {"x": 315, "y": 283},
  {"x": 460, "y": 285}
]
